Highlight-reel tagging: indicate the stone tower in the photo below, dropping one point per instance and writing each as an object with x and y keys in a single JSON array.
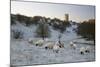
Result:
[{"x": 66, "y": 17}]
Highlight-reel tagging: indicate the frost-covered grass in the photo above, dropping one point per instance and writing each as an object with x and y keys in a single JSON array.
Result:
[{"x": 25, "y": 53}]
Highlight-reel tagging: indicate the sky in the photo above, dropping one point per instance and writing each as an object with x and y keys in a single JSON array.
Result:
[{"x": 76, "y": 13}]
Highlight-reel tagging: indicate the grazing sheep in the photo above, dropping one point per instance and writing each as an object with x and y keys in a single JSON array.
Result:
[
  {"x": 82, "y": 50},
  {"x": 60, "y": 44},
  {"x": 56, "y": 48},
  {"x": 87, "y": 49},
  {"x": 73, "y": 45},
  {"x": 49, "y": 45},
  {"x": 39, "y": 43}
]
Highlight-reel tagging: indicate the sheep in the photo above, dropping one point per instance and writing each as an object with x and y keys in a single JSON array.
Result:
[
  {"x": 39, "y": 43},
  {"x": 60, "y": 44},
  {"x": 82, "y": 50},
  {"x": 73, "y": 45},
  {"x": 49, "y": 45},
  {"x": 56, "y": 48},
  {"x": 87, "y": 49}
]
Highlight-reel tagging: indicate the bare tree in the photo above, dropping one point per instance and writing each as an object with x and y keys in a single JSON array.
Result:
[{"x": 42, "y": 29}]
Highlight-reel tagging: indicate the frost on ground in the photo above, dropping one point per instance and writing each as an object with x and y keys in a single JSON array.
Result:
[{"x": 24, "y": 53}]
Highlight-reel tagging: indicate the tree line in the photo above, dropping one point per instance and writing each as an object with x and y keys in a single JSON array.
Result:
[{"x": 87, "y": 29}]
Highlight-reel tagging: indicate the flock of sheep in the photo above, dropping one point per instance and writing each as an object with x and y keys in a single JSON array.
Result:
[
  {"x": 83, "y": 50},
  {"x": 55, "y": 46}
]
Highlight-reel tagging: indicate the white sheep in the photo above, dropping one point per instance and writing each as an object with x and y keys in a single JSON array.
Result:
[
  {"x": 56, "y": 48},
  {"x": 49, "y": 45},
  {"x": 73, "y": 45},
  {"x": 87, "y": 49},
  {"x": 39, "y": 43},
  {"x": 60, "y": 44},
  {"x": 82, "y": 50}
]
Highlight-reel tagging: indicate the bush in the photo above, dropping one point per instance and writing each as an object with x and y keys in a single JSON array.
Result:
[
  {"x": 17, "y": 34},
  {"x": 87, "y": 29}
]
